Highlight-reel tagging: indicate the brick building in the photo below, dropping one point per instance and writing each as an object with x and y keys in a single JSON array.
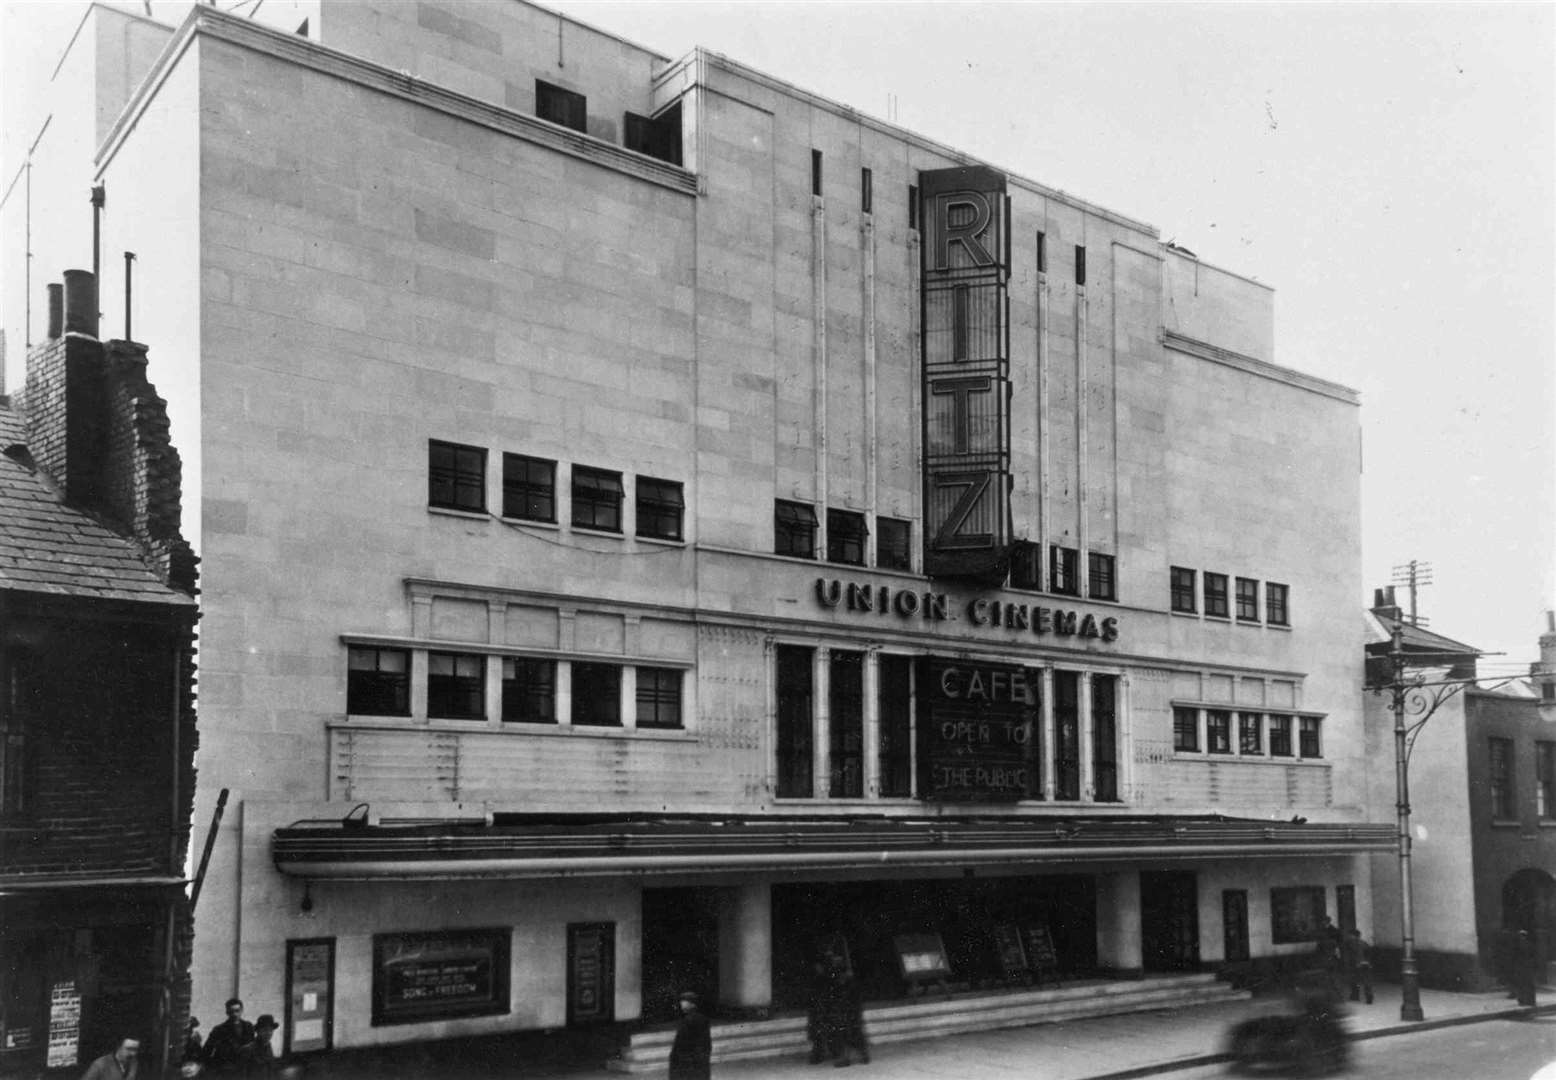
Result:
[{"x": 655, "y": 519}]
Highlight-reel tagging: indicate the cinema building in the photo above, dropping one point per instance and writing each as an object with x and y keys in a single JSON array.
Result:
[{"x": 655, "y": 520}]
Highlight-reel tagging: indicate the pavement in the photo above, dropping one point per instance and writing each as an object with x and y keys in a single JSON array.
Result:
[{"x": 1102, "y": 1048}]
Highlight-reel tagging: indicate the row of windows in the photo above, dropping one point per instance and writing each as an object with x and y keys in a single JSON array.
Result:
[
  {"x": 378, "y": 683},
  {"x": 657, "y": 136},
  {"x": 795, "y": 527},
  {"x": 1504, "y": 783},
  {"x": 1026, "y": 571},
  {"x": 1247, "y": 734},
  {"x": 456, "y": 478},
  {"x": 1218, "y": 598}
]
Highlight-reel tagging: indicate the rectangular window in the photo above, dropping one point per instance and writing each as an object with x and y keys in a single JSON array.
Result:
[
  {"x": 1545, "y": 773},
  {"x": 659, "y": 697},
  {"x": 1218, "y": 731},
  {"x": 1215, "y": 594},
  {"x": 596, "y": 499},
  {"x": 895, "y": 708},
  {"x": 1280, "y": 736},
  {"x": 528, "y": 690},
  {"x": 1026, "y": 565},
  {"x": 1296, "y": 913},
  {"x": 794, "y": 529},
  {"x": 378, "y": 682},
  {"x": 1080, "y": 265},
  {"x": 456, "y": 476},
  {"x": 17, "y": 698},
  {"x": 796, "y": 723},
  {"x": 456, "y": 686},
  {"x": 660, "y": 508},
  {"x": 658, "y": 137},
  {"x": 845, "y": 711},
  {"x": 1067, "y": 735},
  {"x": 1104, "y": 737},
  {"x": 596, "y": 695},
  {"x": 528, "y": 488},
  {"x": 1064, "y": 571},
  {"x": 1101, "y": 576},
  {"x": 1183, "y": 590},
  {"x": 1042, "y": 252},
  {"x": 1276, "y": 609},
  {"x": 815, "y": 172},
  {"x": 1247, "y": 599},
  {"x": 1185, "y": 729},
  {"x": 1308, "y": 745},
  {"x": 846, "y": 537},
  {"x": 893, "y": 544},
  {"x": 912, "y": 206},
  {"x": 1249, "y": 733},
  {"x": 866, "y": 191},
  {"x": 561, "y": 106},
  {"x": 1502, "y": 793}
]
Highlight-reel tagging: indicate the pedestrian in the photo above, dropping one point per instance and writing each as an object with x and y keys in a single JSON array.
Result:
[
  {"x": 1524, "y": 969},
  {"x": 847, "y": 1017},
  {"x": 821, "y": 1012},
  {"x": 230, "y": 1046},
  {"x": 1326, "y": 949},
  {"x": 122, "y": 1063},
  {"x": 691, "y": 1054},
  {"x": 264, "y": 1061},
  {"x": 1358, "y": 965},
  {"x": 193, "y": 1049}
]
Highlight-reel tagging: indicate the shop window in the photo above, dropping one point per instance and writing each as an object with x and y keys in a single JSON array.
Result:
[
  {"x": 659, "y": 697},
  {"x": 1249, "y": 733},
  {"x": 565, "y": 107},
  {"x": 1067, "y": 736},
  {"x": 528, "y": 488},
  {"x": 845, "y": 711},
  {"x": 1277, "y": 611},
  {"x": 1218, "y": 731},
  {"x": 794, "y": 529},
  {"x": 846, "y": 537},
  {"x": 1502, "y": 791},
  {"x": 1026, "y": 565},
  {"x": 893, "y": 544},
  {"x": 1296, "y": 913},
  {"x": 1102, "y": 582},
  {"x": 378, "y": 682},
  {"x": 1215, "y": 595},
  {"x": 1247, "y": 600},
  {"x": 1545, "y": 774},
  {"x": 1064, "y": 571},
  {"x": 456, "y": 686},
  {"x": 1280, "y": 736},
  {"x": 895, "y": 714},
  {"x": 596, "y": 695},
  {"x": 796, "y": 722},
  {"x": 1308, "y": 744},
  {"x": 660, "y": 508},
  {"x": 1183, "y": 590},
  {"x": 658, "y": 137},
  {"x": 596, "y": 499},
  {"x": 528, "y": 690},
  {"x": 1104, "y": 737},
  {"x": 456, "y": 476},
  {"x": 1185, "y": 730}
]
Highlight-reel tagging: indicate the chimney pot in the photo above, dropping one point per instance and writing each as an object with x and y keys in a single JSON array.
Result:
[
  {"x": 56, "y": 311},
  {"x": 81, "y": 302}
]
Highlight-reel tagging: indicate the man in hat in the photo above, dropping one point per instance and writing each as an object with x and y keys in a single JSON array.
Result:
[
  {"x": 691, "y": 1054},
  {"x": 264, "y": 1063}
]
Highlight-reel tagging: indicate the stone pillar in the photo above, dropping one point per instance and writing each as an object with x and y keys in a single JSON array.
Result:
[
  {"x": 1118, "y": 921},
  {"x": 746, "y": 949}
]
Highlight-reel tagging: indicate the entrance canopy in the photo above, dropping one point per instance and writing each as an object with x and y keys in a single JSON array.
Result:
[{"x": 524, "y": 846}]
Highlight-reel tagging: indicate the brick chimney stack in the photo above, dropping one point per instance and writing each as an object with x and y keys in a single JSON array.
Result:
[{"x": 1544, "y": 670}]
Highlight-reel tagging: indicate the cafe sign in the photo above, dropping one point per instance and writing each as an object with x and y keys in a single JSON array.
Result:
[{"x": 978, "y": 731}]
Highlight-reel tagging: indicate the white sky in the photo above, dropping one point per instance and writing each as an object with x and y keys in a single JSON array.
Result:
[{"x": 1387, "y": 168}]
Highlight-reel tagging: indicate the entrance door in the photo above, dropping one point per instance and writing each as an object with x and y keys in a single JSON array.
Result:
[
  {"x": 591, "y": 973},
  {"x": 1169, "y": 920},
  {"x": 680, "y": 948},
  {"x": 1234, "y": 924}
]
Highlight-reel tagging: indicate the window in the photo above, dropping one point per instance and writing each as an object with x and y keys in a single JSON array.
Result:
[
  {"x": 895, "y": 709},
  {"x": 1080, "y": 265},
  {"x": 846, "y": 536},
  {"x": 1101, "y": 584},
  {"x": 1249, "y": 732},
  {"x": 1063, "y": 571},
  {"x": 659, "y": 697},
  {"x": 893, "y": 544},
  {"x": 815, "y": 172},
  {"x": 1545, "y": 773},
  {"x": 794, "y": 529},
  {"x": 1276, "y": 610},
  {"x": 1215, "y": 594},
  {"x": 912, "y": 206},
  {"x": 561, "y": 106},
  {"x": 596, "y": 499},
  {"x": 528, "y": 488},
  {"x": 1247, "y": 599},
  {"x": 658, "y": 137},
  {"x": 1296, "y": 913},
  {"x": 660, "y": 507},
  {"x": 528, "y": 690},
  {"x": 1185, "y": 729},
  {"x": 1218, "y": 731},
  {"x": 866, "y": 191},
  {"x": 1502, "y": 793},
  {"x": 796, "y": 724},
  {"x": 1280, "y": 736},
  {"x": 456, "y": 686},
  {"x": 1026, "y": 565},
  {"x": 1183, "y": 590},
  {"x": 1067, "y": 735},
  {"x": 596, "y": 695},
  {"x": 17, "y": 699},
  {"x": 845, "y": 711},
  {"x": 378, "y": 682},
  {"x": 1307, "y": 737},
  {"x": 1104, "y": 737},
  {"x": 1042, "y": 252},
  {"x": 456, "y": 476}
]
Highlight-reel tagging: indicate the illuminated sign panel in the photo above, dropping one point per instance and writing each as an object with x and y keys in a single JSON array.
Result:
[{"x": 978, "y": 731}]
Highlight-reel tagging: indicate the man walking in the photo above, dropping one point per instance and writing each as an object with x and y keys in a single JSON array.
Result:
[
  {"x": 121, "y": 1064},
  {"x": 1358, "y": 965}
]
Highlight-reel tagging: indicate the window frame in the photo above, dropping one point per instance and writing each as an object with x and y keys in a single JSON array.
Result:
[
  {"x": 1104, "y": 738},
  {"x": 464, "y": 480},
  {"x": 1185, "y": 737},
  {"x": 1277, "y": 613},
  {"x": 1254, "y": 746},
  {"x": 794, "y": 740},
  {"x": 1064, "y": 570},
  {"x": 661, "y": 691},
  {"x": 1501, "y": 778},
  {"x": 1184, "y": 602},
  {"x": 1101, "y": 576},
  {"x": 1218, "y": 731},
  {"x": 599, "y": 493},
  {"x": 446, "y": 690},
  {"x": 894, "y": 726},
  {"x": 595, "y": 677},
  {"x": 561, "y": 106},
  {"x": 1216, "y": 596},
  {"x": 1247, "y": 599},
  {"x": 402, "y": 681},
  {"x": 1296, "y": 913},
  {"x": 845, "y": 724},
  {"x": 522, "y": 494},
  {"x": 1545, "y": 779},
  {"x": 1279, "y": 736},
  {"x": 848, "y": 534},
  {"x": 664, "y": 506},
  {"x": 885, "y": 526},
  {"x": 524, "y": 690},
  {"x": 793, "y": 520},
  {"x": 1310, "y": 735},
  {"x": 16, "y": 765}
]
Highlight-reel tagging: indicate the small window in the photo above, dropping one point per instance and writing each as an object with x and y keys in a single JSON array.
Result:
[
  {"x": 815, "y": 172},
  {"x": 528, "y": 488},
  {"x": 1080, "y": 265},
  {"x": 1296, "y": 914},
  {"x": 561, "y": 106},
  {"x": 1545, "y": 774},
  {"x": 1215, "y": 595},
  {"x": 659, "y": 697},
  {"x": 596, "y": 499},
  {"x": 794, "y": 529},
  {"x": 866, "y": 191},
  {"x": 378, "y": 682},
  {"x": 846, "y": 537},
  {"x": 1101, "y": 582},
  {"x": 456, "y": 686},
  {"x": 658, "y": 137},
  {"x": 1183, "y": 590},
  {"x": 1026, "y": 565},
  {"x": 1247, "y": 600},
  {"x": 596, "y": 695},
  {"x": 528, "y": 691},
  {"x": 912, "y": 206},
  {"x": 456, "y": 476},
  {"x": 1276, "y": 609},
  {"x": 1185, "y": 729},
  {"x": 1308, "y": 744},
  {"x": 660, "y": 508},
  {"x": 1218, "y": 731},
  {"x": 1249, "y": 731},
  {"x": 1503, "y": 805},
  {"x": 1063, "y": 571},
  {"x": 893, "y": 544},
  {"x": 1280, "y": 736},
  {"x": 1042, "y": 252}
]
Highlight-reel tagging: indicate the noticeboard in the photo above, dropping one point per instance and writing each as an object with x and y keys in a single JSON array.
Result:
[
  {"x": 439, "y": 975},
  {"x": 1039, "y": 948},
  {"x": 922, "y": 957},
  {"x": 591, "y": 976},
  {"x": 310, "y": 996},
  {"x": 1008, "y": 947}
]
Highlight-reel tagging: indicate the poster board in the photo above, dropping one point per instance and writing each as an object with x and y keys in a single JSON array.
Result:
[
  {"x": 1041, "y": 958},
  {"x": 922, "y": 958},
  {"x": 1011, "y": 952},
  {"x": 440, "y": 975},
  {"x": 64, "y": 1025},
  {"x": 309, "y": 1024}
]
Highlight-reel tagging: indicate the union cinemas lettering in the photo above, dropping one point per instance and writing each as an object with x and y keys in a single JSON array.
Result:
[{"x": 883, "y": 601}]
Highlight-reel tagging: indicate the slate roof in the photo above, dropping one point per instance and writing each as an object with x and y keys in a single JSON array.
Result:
[{"x": 48, "y": 547}]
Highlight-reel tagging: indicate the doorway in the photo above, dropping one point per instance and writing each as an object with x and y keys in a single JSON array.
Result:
[
  {"x": 1169, "y": 920},
  {"x": 680, "y": 948},
  {"x": 1234, "y": 924}
]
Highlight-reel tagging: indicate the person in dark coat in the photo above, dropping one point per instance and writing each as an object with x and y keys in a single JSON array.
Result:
[
  {"x": 122, "y": 1063},
  {"x": 264, "y": 1061},
  {"x": 821, "y": 1011},
  {"x": 230, "y": 1046},
  {"x": 691, "y": 1054},
  {"x": 847, "y": 1005},
  {"x": 1524, "y": 964},
  {"x": 1358, "y": 965}
]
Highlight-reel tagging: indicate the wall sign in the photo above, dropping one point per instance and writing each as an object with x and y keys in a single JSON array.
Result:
[
  {"x": 978, "y": 731},
  {"x": 436, "y": 976},
  {"x": 591, "y": 975},
  {"x": 868, "y": 599},
  {"x": 310, "y": 995},
  {"x": 64, "y": 1025}
]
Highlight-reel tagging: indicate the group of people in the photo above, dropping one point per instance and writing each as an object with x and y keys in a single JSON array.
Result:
[
  {"x": 235, "y": 1048},
  {"x": 1345, "y": 959}
]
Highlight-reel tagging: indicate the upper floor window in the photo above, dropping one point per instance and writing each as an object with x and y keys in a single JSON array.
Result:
[
  {"x": 660, "y": 507},
  {"x": 1102, "y": 582},
  {"x": 1183, "y": 589},
  {"x": 456, "y": 476},
  {"x": 1249, "y": 729},
  {"x": 565, "y": 107},
  {"x": 596, "y": 499},
  {"x": 1218, "y": 731},
  {"x": 815, "y": 172},
  {"x": 456, "y": 686},
  {"x": 1185, "y": 729},
  {"x": 1308, "y": 744},
  {"x": 659, "y": 697},
  {"x": 1280, "y": 736},
  {"x": 1215, "y": 594},
  {"x": 1502, "y": 795},
  {"x": 378, "y": 682},
  {"x": 528, "y": 690},
  {"x": 794, "y": 529},
  {"x": 1545, "y": 774},
  {"x": 846, "y": 537},
  {"x": 658, "y": 137},
  {"x": 1026, "y": 565},
  {"x": 866, "y": 191},
  {"x": 1064, "y": 570},
  {"x": 1277, "y": 611},
  {"x": 16, "y": 702},
  {"x": 596, "y": 695},
  {"x": 528, "y": 488},
  {"x": 893, "y": 544},
  {"x": 1247, "y": 599}
]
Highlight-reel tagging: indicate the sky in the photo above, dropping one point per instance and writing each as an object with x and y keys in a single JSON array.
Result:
[{"x": 1386, "y": 168}]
